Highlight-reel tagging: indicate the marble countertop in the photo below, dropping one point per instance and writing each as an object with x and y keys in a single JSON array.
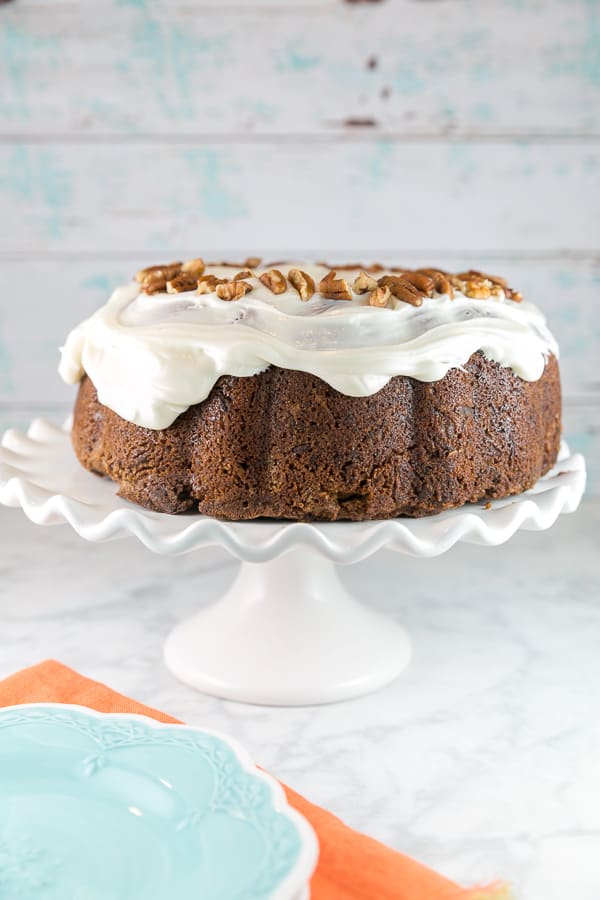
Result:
[{"x": 482, "y": 759}]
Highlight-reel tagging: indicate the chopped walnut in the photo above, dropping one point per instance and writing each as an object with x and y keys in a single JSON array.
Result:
[
  {"x": 194, "y": 267},
  {"x": 181, "y": 283},
  {"x": 302, "y": 282},
  {"x": 233, "y": 290},
  {"x": 334, "y": 288},
  {"x": 474, "y": 274},
  {"x": 380, "y": 296},
  {"x": 474, "y": 280},
  {"x": 478, "y": 289},
  {"x": 208, "y": 283},
  {"x": 274, "y": 280},
  {"x": 253, "y": 262},
  {"x": 364, "y": 283},
  {"x": 166, "y": 272},
  {"x": 245, "y": 273}
]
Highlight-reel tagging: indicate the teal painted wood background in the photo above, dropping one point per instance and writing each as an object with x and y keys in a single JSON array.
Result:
[{"x": 458, "y": 132}]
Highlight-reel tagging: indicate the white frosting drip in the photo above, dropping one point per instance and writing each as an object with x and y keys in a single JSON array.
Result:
[{"x": 152, "y": 357}]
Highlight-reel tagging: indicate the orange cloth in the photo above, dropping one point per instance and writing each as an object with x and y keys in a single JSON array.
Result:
[{"x": 351, "y": 866}]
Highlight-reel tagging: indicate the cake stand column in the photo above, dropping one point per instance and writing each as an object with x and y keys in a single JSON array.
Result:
[{"x": 287, "y": 633}]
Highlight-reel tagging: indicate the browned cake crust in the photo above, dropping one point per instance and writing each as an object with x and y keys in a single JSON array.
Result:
[{"x": 285, "y": 444}]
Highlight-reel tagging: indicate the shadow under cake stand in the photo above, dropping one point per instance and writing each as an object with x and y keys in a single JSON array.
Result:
[{"x": 287, "y": 632}]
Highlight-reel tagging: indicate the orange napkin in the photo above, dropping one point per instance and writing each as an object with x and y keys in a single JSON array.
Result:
[{"x": 351, "y": 866}]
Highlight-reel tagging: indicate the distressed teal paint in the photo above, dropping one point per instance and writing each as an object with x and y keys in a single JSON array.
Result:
[
  {"x": 296, "y": 58},
  {"x": 33, "y": 175},
  {"x": 174, "y": 59},
  {"x": 100, "y": 283},
  {"x": 96, "y": 289},
  {"x": 483, "y": 72},
  {"x": 406, "y": 80},
  {"x": 483, "y": 112},
  {"x": 7, "y": 385},
  {"x": 582, "y": 61},
  {"x": 473, "y": 39},
  {"x": 216, "y": 201},
  {"x": 104, "y": 111},
  {"x": 20, "y": 55},
  {"x": 256, "y": 110},
  {"x": 463, "y": 161},
  {"x": 566, "y": 279},
  {"x": 375, "y": 164}
]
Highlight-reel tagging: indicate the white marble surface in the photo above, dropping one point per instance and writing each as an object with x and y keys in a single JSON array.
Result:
[{"x": 482, "y": 760}]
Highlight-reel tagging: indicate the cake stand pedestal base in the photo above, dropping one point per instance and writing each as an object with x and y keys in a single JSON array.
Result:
[{"x": 287, "y": 633}]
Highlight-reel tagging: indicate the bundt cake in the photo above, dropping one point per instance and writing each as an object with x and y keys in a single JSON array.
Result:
[{"x": 302, "y": 392}]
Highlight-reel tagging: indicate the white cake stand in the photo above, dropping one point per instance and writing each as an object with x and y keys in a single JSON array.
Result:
[{"x": 287, "y": 632}]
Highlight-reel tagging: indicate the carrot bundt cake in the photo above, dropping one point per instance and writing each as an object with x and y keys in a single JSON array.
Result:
[{"x": 295, "y": 391}]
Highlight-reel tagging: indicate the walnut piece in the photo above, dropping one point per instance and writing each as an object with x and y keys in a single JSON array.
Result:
[
  {"x": 364, "y": 283},
  {"x": 380, "y": 296},
  {"x": 208, "y": 283},
  {"x": 253, "y": 262},
  {"x": 474, "y": 274},
  {"x": 233, "y": 290},
  {"x": 194, "y": 267},
  {"x": 182, "y": 282},
  {"x": 478, "y": 289},
  {"x": 334, "y": 288},
  {"x": 274, "y": 280},
  {"x": 302, "y": 282},
  {"x": 245, "y": 273}
]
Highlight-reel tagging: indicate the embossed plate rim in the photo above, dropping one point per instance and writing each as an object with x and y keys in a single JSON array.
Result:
[{"x": 294, "y": 885}]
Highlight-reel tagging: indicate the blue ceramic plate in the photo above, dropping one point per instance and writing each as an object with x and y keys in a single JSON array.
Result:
[{"x": 120, "y": 807}]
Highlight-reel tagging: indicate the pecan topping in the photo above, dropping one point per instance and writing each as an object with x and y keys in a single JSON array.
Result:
[
  {"x": 402, "y": 290},
  {"x": 154, "y": 285},
  {"x": 166, "y": 272},
  {"x": 440, "y": 281},
  {"x": 302, "y": 282},
  {"x": 380, "y": 296},
  {"x": 274, "y": 280},
  {"x": 182, "y": 282},
  {"x": 208, "y": 283},
  {"x": 245, "y": 273},
  {"x": 253, "y": 262},
  {"x": 194, "y": 267},
  {"x": 364, "y": 283},
  {"x": 334, "y": 288},
  {"x": 233, "y": 290},
  {"x": 421, "y": 281}
]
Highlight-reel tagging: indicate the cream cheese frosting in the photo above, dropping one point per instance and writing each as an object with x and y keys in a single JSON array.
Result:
[{"x": 151, "y": 357}]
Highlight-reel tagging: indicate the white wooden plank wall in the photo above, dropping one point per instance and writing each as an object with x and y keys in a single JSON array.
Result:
[{"x": 458, "y": 132}]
